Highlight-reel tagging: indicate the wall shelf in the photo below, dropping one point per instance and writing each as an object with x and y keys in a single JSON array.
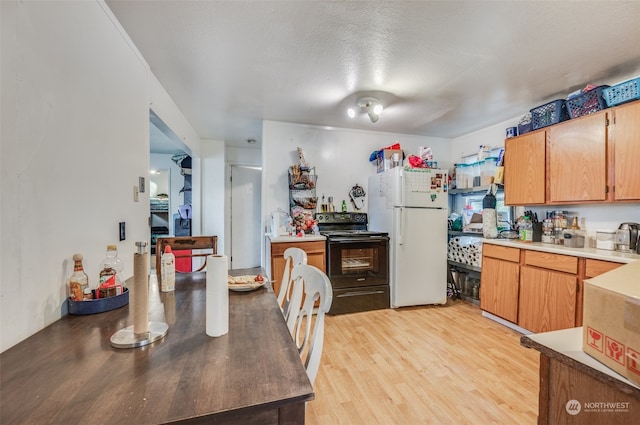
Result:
[{"x": 473, "y": 190}]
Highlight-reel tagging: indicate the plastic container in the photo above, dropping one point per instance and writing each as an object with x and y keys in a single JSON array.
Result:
[
  {"x": 464, "y": 178},
  {"x": 623, "y": 92},
  {"x": 110, "y": 279},
  {"x": 475, "y": 172},
  {"x": 606, "y": 239},
  {"x": 574, "y": 238},
  {"x": 488, "y": 171},
  {"x": 168, "y": 270},
  {"x": 549, "y": 114},
  {"x": 586, "y": 103}
]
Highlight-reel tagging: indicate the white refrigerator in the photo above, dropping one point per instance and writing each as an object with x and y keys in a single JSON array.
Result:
[{"x": 411, "y": 204}]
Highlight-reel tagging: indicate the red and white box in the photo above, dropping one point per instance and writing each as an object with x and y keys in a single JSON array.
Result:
[{"x": 611, "y": 320}]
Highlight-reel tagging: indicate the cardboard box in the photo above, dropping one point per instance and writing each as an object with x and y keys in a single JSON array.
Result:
[
  {"x": 385, "y": 159},
  {"x": 611, "y": 320}
]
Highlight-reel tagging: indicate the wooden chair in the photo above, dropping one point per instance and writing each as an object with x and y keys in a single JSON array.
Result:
[
  {"x": 293, "y": 257},
  {"x": 187, "y": 243},
  {"x": 307, "y": 322}
]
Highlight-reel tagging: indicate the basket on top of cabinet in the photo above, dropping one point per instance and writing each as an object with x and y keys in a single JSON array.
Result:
[
  {"x": 549, "y": 114},
  {"x": 586, "y": 103},
  {"x": 623, "y": 92}
]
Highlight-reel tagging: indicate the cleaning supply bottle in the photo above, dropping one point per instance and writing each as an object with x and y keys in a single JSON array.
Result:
[{"x": 168, "y": 270}]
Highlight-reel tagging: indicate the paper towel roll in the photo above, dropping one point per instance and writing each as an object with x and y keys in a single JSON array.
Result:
[
  {"x": 217, "y": 309},
  {"x": 140, "y": 298}
]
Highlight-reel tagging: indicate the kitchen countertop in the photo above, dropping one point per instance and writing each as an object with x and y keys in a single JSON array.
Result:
[
  {"x": 305, "y": 238},
  {"x": 597, "y": 254},
  {"x": 566, "y": 345}
]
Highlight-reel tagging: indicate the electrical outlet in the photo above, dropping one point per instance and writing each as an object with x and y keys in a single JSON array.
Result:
[
  {"x": 136, "y": 193},
  {"x": 122, "y": 231}
]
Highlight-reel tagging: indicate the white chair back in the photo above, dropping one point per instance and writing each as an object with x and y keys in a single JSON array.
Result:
[
  {"x": 307, "y": 322},
  {"x": 293, "y": 257}
]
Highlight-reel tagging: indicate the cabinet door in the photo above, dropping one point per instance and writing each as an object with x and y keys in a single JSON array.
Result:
[
  {"x": 499, "y": 288},
  {"x": 316, "y": 256},
  {"x": 317, "y": 259},
  {"x": 577, "y": 160},
  {"x": 547, "y": 300},
  {"x": 626, "y": 148},
  {"x": 524, "y": 169},
  {"x": 277, "y": 269}
]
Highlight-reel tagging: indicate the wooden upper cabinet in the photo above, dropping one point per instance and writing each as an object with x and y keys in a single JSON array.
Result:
[
  {"x": 626, "y": 152},
  {"x": 524, "y": 169},
  {"x": 577, "y": 160}
]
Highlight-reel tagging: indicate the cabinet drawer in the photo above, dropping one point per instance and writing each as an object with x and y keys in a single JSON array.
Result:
[
  {"x": 278, "y": 249},
  {"x": 501, "y": 252},
  {"x": 561, "y": 263},
  {"x": 595, "y": 268}
]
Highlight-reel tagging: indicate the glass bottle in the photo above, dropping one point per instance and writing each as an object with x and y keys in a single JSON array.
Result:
[
  {"x": 79, "y": 281},
  {"x": 344, "y": 206},
  {"x": 110, "y": 268}
]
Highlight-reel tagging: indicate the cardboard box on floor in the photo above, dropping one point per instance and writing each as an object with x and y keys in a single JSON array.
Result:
[{"x": 611, "y": 320}]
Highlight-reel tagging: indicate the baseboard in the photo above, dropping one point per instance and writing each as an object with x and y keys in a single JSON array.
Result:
[{"x": 506, "y": 323}]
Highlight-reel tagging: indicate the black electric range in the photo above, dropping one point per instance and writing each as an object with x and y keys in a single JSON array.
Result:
[{"x": 357, "y": 262}]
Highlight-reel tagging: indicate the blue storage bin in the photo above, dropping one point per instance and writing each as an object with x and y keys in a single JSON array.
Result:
[
  {"x": 623, "y": 92},
  {"x": 549, "y": 114},
  {"x": 586, "y": 103}
]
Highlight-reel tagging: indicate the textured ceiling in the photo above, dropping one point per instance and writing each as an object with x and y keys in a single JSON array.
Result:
[{"x": 442, "y": 69}]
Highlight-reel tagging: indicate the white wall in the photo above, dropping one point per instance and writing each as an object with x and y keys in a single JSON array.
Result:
[
  {"x": 469, "y": 144},
  {"x": 341, "y": 158},
  {"x": 75, "y": 139}
]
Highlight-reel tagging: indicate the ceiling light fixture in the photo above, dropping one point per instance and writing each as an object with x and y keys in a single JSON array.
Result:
[{"x": 370, "y": 105}]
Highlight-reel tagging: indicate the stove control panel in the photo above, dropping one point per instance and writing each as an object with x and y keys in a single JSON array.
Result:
[{"x": 341, "y": 218}]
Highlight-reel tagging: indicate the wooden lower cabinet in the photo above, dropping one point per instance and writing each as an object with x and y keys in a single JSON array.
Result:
[
  {"x": 592, "y": 268},
  {"x": 537, "y": 290},
  {"x": 499, "y": 284},
  {"x": 547, "y": 300},
  {"x": 316, "y": 256}
]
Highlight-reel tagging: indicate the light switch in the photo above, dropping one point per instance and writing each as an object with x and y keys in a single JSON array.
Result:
[{"x": 136, "y": 192}]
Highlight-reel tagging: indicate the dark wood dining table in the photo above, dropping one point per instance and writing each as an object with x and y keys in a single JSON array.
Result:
[{"x": 68, "y": 373}]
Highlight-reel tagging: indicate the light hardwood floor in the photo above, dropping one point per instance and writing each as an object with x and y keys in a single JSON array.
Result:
[{"x": 424, "y": 365}]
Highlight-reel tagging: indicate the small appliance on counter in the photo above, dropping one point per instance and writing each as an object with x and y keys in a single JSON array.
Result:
[
  {"x": 280, "y": 222},
  {"x": 627, "y": 237}
]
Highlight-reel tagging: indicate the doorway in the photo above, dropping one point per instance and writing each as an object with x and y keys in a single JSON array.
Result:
[
  {"x": 159, "y": 206},
  {"x": 246, "y": 226}
]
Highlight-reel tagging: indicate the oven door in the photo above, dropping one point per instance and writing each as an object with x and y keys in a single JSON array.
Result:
[{"x": 355, "y": 262}]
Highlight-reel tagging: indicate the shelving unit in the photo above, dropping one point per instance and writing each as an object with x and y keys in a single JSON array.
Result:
[
  {"x": 159, "y": 227},
  {"x": 302, "y": 192}
]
